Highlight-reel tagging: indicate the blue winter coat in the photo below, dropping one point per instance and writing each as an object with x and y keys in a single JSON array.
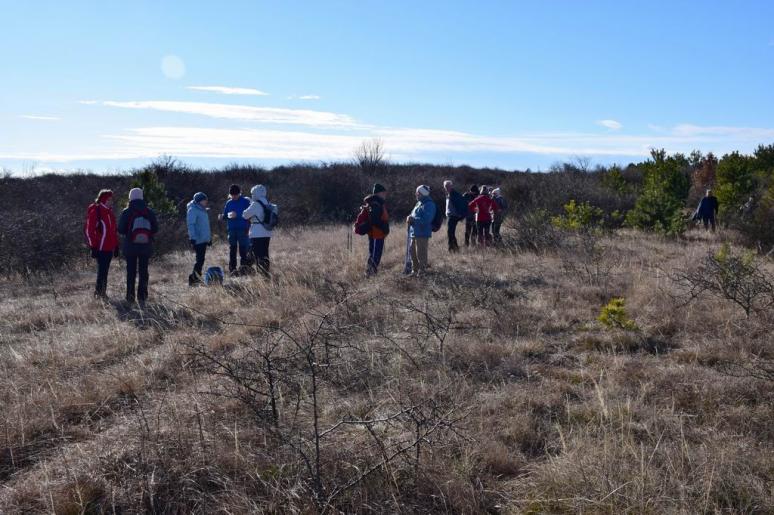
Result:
[
  {"x": 422, "y": 218},
  {"x": 198, "y": 223},
  {"x": 238, "y": 223}
]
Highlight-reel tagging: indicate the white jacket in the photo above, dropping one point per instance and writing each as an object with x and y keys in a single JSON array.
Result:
[{"x": 255, "y": 212}]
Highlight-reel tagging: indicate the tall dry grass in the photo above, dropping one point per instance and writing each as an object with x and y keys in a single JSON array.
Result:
[{"x": 111, "y": 408}]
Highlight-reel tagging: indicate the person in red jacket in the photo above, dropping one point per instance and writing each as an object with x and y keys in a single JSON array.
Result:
[
  {"x": 484, "y": 208},
  {"x": 102, "y": 237}
]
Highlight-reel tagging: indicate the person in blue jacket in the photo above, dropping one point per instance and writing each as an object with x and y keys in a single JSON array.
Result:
[
  {"x": 198, "y": 233},
  {"x": 238, "y": 228},
  {"x": 420, "y": 229}
]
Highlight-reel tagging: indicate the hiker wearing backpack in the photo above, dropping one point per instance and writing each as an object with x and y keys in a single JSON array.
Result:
[
  {"x": 420, "y": 223},
  {"x": 499, "y": 214},
  {"x": 263, "y": 217},
  {"x": 238, "y": 228},
  {"x": 456, "y": 210},
  {"x": 374, "y": 221},
  {"x": 102, "y": 237},
  {"x": 138, "y": 225},
  {"x": 198, "y": 233},
  {"x": 484, "y": 208},
  {"x": 470, "y": 219}
]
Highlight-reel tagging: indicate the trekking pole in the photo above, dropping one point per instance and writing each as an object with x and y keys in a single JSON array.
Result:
[{"x": 349, "y": 241}]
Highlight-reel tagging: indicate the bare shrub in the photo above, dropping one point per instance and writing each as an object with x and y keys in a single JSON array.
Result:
[{"x": 370, "y": 155}]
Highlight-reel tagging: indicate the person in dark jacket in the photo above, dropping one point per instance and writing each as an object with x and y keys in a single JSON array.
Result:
[
  {"x": 456, "y": 210},
  {"x": 379, "y": 220},
  {"x": 238, "y": 228},
  {"x": 138, "y": 225},
  {"x": 707, "y": 210},
  {"x": 199, "y": 234},
  {"x": 102, "y": 237},
  {"x": 471, "y": 232}
]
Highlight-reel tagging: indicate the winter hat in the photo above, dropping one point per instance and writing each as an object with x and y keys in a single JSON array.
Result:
[
  {"x": 474, "y": 189},
  {"x": 103, "y": 196},
  {"x": 258, "y": 192},
  {"x": 378, "y": 188},
  {"x": 135, "y": 194},
  {"x": 234, "y": 190},
  {"x": 198, "y": 197},
  {"x": 485, "y": 190},
  {"x": 496, "y": 192},
  {"x": 423, "y": 190}
]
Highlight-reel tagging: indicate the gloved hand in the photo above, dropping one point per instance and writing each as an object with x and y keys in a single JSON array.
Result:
[
  {"x": 209, "y": 243},
  {"x": 94, "y": 253}
]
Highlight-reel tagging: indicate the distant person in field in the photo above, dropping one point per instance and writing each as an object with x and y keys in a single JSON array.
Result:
[
  {"x": 470, "y": 219},
  {"x": 456, "y": 210},
  {"x": 707, "y": 210},
  {"x": 102, "y": 237},
  {"x": 199, "y": 234},
  {"x": 263, "y": 217},
  {"x": 420, "y": 229},
  {"x": 238, "y": 228},
  {"x": 484, "y": 208},
  {"x": 138, "y": 225},
  {"x": 374, "y": 221},
  {"x": 499, "y": 214}
]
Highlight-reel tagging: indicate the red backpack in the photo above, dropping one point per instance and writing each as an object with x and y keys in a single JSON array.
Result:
[
  {"x": 363, "y": 221},
  {"x": 140, "y": 227}
]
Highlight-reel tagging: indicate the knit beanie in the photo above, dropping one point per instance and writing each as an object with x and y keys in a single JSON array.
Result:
[
  {"x": 378, "y": 188},
  {"x": 135, "y": 194},
  {"x": 423, "y": 190},
  {"x": 198, "y": 197},
  {"x": 496, "y": 192}
]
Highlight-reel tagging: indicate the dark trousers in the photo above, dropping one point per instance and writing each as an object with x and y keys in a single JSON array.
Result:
[
  {"x": 484, "y": 237},
  {"x": 103, "y": 266},
  {"x": 132, "y": 264},
  {"x": 470, "y": 232},
  {"x": 201, "y": 251},
  {"x": 260, "y": 250},
  {"x": 709, "y": 221},
  {"x": 451, "y": 232},
  {"x": 375, "y": 251},
  {"x": 237, "y": 240}
]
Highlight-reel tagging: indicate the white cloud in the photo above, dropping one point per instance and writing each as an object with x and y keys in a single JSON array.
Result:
[
  {"x": 38, "y": 117},
  {"x": 610, "y": 124},
  {"x": 226, "y": 90},
  {"x": 88, "y": 102},
  {"x": 242, "y": 112},
  {"x": 309, "y": 97}
]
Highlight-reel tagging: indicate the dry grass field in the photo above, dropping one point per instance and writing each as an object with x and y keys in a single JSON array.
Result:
[{"x": 487, "y": 386}]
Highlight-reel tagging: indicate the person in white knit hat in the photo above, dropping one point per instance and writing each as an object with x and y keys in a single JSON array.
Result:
[
  {"x": 138, "y": 225},
  {"x": 420, "y": 229}
]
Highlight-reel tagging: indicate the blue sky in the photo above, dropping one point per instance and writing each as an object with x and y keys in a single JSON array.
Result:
[{"x": 515, "y": 84}]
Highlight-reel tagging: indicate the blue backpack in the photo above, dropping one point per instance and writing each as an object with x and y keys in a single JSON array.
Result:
[{"x": 213, "y": 275}]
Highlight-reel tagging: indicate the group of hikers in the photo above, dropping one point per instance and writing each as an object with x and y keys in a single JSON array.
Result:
[{"x": 250, "y": 222}]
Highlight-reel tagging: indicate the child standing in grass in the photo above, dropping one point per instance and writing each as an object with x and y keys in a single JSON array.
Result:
[
  {"x": 420, "y": 229},
  {"x": 198, "y": 233},
  {"x": 102, "y": 237}
]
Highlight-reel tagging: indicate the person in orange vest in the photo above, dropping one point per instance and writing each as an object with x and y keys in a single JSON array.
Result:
[{"x": 102, "y": 237}]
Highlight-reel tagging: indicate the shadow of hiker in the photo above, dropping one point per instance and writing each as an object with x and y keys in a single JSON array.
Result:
[{"x": 156, "y": 315}]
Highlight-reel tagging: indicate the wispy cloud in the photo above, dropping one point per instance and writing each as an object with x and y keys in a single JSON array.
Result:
[
  {"x": 309, "y": 97},
  {"x": 225, "y": 90},
  {"x": 272, "y": 115},
  {"x": 39, "y": 117},
  {"x": 613, "y": 125},
  {"x": 88, "y": 102}
]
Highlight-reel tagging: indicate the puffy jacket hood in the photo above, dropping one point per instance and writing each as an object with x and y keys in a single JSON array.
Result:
[
  {"x": 258, "y": 192},
  {"x": 195, "y": 204}
]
